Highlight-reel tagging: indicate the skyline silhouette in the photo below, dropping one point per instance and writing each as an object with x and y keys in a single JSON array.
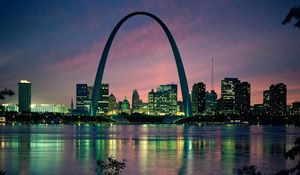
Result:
[{"x": 57, "y": 44}]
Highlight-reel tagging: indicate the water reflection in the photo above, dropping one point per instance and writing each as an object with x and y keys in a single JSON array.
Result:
[{"x": 148, "y": 149}]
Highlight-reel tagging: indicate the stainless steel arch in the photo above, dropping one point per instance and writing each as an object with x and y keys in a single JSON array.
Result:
[{"x": 182, "y": 78}]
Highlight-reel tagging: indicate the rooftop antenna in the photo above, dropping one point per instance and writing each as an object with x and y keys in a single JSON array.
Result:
[{"x": 212, "y": 86}]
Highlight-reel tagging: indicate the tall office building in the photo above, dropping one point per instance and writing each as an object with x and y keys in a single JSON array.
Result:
[
  {"x": 243, "y": 98},
  {"x": 266, "y": 98},
  {"x": 278, "y": 97},
  {"x": 135, "y": 101},
  {"x": 228, "y": 101},
  {"x": 103, "y": 100},
  {"x": 198, "y": 98},
  {"x": 152, "y": 105},
  {"x": 164, "y": 101},
  {"x": 112, "y": 104},
  {"x": 211, "y": 101},
  {"x": 81, "y": 99},
  {"x": 24, "y": 96}
]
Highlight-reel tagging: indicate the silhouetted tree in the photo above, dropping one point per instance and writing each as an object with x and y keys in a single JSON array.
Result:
[
  {"x": 291, "y": 154},
  {"x": 6, "y": 92},
  {"x": 111, "y": 166},
  {"x": 248, "y": 170},
  {"x": 2, "y": 172},
  {"x": 294, "y": 12}
]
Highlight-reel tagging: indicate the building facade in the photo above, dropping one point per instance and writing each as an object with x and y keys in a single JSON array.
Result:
[
  {"x": 163, "y": 101},
  {"x": 103, "y": 100},
  {"x": 24, "y": 96},
  {"x": 211, "y": 101},
  {"x": 228, "y": 101},
  {"x": 135, "y": 101},
  {"x": 198, "y": 98},
  {"x": 243, "y": 98},
  {"x": 82, "y": 99},
  {"x": 278, "y": 98}
]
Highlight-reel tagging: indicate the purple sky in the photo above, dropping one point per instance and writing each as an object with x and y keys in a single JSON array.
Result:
[{"x": 57, "y": 44}]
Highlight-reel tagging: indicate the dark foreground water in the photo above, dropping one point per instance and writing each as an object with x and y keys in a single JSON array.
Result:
[{"x": 148, "y": 149}]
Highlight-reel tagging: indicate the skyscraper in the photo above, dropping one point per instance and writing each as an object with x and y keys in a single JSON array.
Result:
[
  {"x": 278, "y": 98},
  {"x": 243, "y": 98},
  {"x": 112, "y": 104},
  {"x": 266, "y": 98},
  {"x": 135, "y": 101},
  {"x": 228, "y": 100},
  {"x": 211, "y": 101},
  {"x": 164, "y": 101},
  {"x": 24, "y": 96},
  {"x": 152, "y": 105},
  {"x": 103, "y": 100},
  {"x": 198, "y": 98},
  {"x": 81, "y": 98},
  {"x": 167, "y": 98}
]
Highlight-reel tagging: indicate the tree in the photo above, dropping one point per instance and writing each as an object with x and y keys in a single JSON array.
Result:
[
  {"x": 291, "y": 154},
  {"x": 294, "y": 12},
  {"x": 111, "y": 166},
  {"x": 6, "y": 92},
  {"x": 248, "y": 170}
]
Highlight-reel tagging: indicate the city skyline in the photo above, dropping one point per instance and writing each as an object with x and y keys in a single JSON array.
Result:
[{"x": 65, "y": 56}]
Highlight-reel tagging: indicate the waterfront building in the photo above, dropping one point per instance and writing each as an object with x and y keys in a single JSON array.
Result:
[
  {"x": 198, "y": 98},
  {"x": 112, "y": 105},
  {"x": 24, "y": 96},
  {"x": 278, "y": 98},
  {"x": 82, "y": 99},
  {"x": 10, "y": 107},
  {"x": 135, "y": 101},
  {"x": 228, "y": 101},
  {"x": 266, "y": 98},
  {"x": 49, "y": 108},
  {"x": 296, "y": 108},
  {"x": 125, "y": 106},
  {"x": 211, "y": 101},
  {"x": 103, "y": 100},
  {"x": 243, "y": 98},
  {"x": 163, "y": 101}
]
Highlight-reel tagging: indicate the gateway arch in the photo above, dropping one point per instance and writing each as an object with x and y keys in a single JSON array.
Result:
[{"x": 182, "y": 78}]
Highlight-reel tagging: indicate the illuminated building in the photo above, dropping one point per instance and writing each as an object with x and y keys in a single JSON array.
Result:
[
  {"x": 266, "y": 98},
  {"x": 228, "y": 101},
  {"x": 135, "y": 101},
  {"x": 103, "y": 100},
  {"x": 296, "y": 108},
  {"x": 112, "y": 104},
  {"x": 243, "y": 98},
  {"x": 52, "y": 108},
  {"x": 198, "y": 98},
  {"x": 11, "y": 107},
  {"x": 164, "y": 101},
  {"x": 180, "y": 108},
  {"x": 152, "y": 105},
  {"x": 211, "y": 101},
  {"x": 278, "y": 98},
  {"x": 125, "y": 106},
  {"x": 82, "y": 99},
  {"x": 24, "y": 96}
]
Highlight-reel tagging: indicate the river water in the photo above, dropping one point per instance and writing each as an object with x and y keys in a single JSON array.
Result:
[{"x": 148, "y": 149}]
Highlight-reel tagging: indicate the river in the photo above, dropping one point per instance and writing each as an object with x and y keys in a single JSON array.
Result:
[{"x": 148, "y": 149}]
